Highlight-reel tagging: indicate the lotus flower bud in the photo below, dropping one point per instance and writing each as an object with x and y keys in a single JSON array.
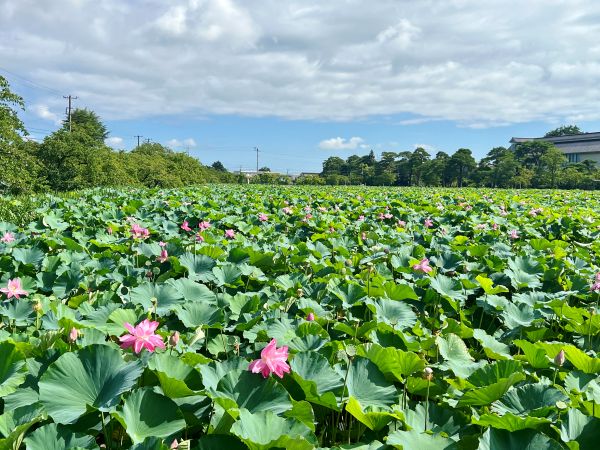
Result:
[
  {"x": 299, "y": 292},
  {"x": 37, "y": 307},
  {"x": 559, "y": 359},
  {"x": 73, "y": 335},
  {"x": 428, "y": 373},
  {"x": 310, "y": 317},
  {"x": 174, "y": 444},
  {"x": 174, "y": 339}
]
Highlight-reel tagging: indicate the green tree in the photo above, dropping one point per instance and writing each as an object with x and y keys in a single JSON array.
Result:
[
  {"x": 88, "y": 122},
  {"x": 11, "y": 127},
  {"x": 551, "y": 164},
  {"x": 415, "y": 162},
  {"x": 564, "y": 130},
  {"x": 461, "y": 163},
  {"x": 218, "y": 165},
  {"x": 530, "y": 153},
  {"x": 333, "y": 165},
  {"x": 264, "y": 169}
]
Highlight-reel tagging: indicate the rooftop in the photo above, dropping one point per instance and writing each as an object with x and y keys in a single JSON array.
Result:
[{"x": 582, "y": 137}]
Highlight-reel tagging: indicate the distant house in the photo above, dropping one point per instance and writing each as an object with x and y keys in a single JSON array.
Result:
[{"x": 576, "y": 147}]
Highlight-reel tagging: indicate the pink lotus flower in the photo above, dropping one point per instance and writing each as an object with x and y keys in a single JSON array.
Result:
[
  {"x": 322, "y": 209},
  {"x": 263, "y": 217},
  {"x": 310, "y": 317},
  {"x": 139, "y": 232},
  {"x": 142, "y": 336},
  {"x": 109, "y": 230},
  {"x": 162, "y": 244},
  {"x": 307, "y": 208},
  {"x": 14, "y": 289},
  {"x": 287, "y": 210},
  {"x": 229, "y": 234},
  {"x": 163, "y": 257},
  {"x": 7, "y": 237},
  {"x": 388, "y": 216},
  {"x": 204, "y": 225},
  {"x": 422, "y": 266},
  {"x": 185, "y": 226},
  {"x": 272, "y": 360},
  {"x": 73, "y": 335},
  {"x": 495, "y": 226},
  {"x": 361, "y": 218},
  {"x": 480, "y": 226},
  {"x": 514, "y": 234},
  {"x": 401, "y": 223},
  {"x": 428, "y": 223},
  {"x": 307, "y": 217},
  {"x": 363, "y": 236},
  {"x": 596, "y": 287},
  {"x": 199, "y": 238}
]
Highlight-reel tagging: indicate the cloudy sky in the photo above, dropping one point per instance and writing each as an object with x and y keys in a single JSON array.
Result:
[{"x": 304, "y": 80}]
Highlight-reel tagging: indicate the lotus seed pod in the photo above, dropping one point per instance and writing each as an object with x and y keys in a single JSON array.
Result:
[
  {"x": 37, "y": 307},
  {"x": 559, "y": 359},
  {"x": 299, "y": 292}
]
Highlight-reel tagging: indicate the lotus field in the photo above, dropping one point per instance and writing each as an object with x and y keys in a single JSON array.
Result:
[{"x": 296, "y": 318}]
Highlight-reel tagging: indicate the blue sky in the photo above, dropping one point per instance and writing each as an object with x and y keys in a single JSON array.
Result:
[{"x": 305, "y": 80}]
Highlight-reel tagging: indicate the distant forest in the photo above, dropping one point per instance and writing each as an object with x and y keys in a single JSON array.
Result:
[{"x": 76, "y": 157}]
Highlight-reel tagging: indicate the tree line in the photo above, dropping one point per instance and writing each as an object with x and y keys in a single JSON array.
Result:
[
  {"x": 535, "y": 164},
  {"x": 77, "y": 157}
]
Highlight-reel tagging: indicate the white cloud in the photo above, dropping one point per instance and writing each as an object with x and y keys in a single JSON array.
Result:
[
  {"x": 477, "y": 63},
  {"x": 176, "y": 143},
  {"x": 339, "y": 143},
  {"x": 429, "y": 148},
  {"x": 113, "y": 141},
  {"x": 43, "y": 112}
]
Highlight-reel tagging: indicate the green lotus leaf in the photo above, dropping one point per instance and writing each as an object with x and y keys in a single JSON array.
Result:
[
  {"x": 58, "y": 437},
  {"x": 12, "y": 368},
  {"x": 456, "y": 354},
  {"x": 94, "y": 376},
  {"x": 394, "y": 363},
  {"x": 317, "y": 378},
  {"x": 148, "y": 414},
  {"x": 367, "y": 384},
  {"x": 264, "y": 430},
  {"x": 494, "y": 439},
  {"x": 407, "y": 440}
]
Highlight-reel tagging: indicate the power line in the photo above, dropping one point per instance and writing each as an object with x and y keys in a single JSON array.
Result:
[{"x": 32, "y": 83}]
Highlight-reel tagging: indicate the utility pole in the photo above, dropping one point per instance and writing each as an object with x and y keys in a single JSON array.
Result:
[
  {"x": 147, "y": 141},
  {"x": 68, "y": 111},
  {"x": 256, "y": 148},
  {"x": 138, "y": 139}
]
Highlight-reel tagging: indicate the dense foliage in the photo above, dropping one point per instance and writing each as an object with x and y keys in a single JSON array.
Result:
[
  {"x": 76, "y": 157},
  {"x": 536, "y": 164},
  {"x": 413, "y": 318}
]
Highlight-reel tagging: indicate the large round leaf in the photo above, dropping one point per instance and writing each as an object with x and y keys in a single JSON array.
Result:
[
  {"x": 58, "y": 437},
  {"x": 12, "y": 368},
  {"x": 148, "y": 414},
  {"x": 368, "y": 385},
  {"x": 94, "y": 376}
]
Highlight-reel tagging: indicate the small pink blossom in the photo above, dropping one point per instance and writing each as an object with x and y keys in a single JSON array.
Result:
[
  {"x": 287, "y": 210},
  {"x": 310, "y": 317},
  {"x": 199, "y": 238},
  {"x": 142, "y": 336},
  {"x": 185, "y": 226},
  {"x": 361, "y": 218},
  {"x": 14, "y": 289},
  {"x": 272, "y": 360},
  {"x": 73, "y": 334},
  {"x": 428, "y": 223},
  {"x": 174, "y": 339},
  {"x": 174, "y": 444},
  {"x": 331, "y": 230},
  {"x": 388, "y": 216},
  {"x": 307, "y": 208},
  {"x": 7, "y": 237},
  {"x": 308, "y": 217},
  {"x": 163, "y": 257},
  {"x": 495, "y": 226},
  {"x": 263, "y": 217},
  {"x": 229, "y": 234},
  {"x": 322, "y": 209},
  {"x": 423, "y": 266},
  {"x": 401, "y": 223},
  {"x": 363, "y": 236},
  {"x": 162, "y": 244},
  {"x": 480, "y": 226},
  {"x": 596, "y": 287},
  {"x": 440, "y": 207},
  {"x": 514, "y": 234},
  {"x": 139, "y": 232},
  {"x": 204, "y": 225},
  {"x": 109, "y": 230}
]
